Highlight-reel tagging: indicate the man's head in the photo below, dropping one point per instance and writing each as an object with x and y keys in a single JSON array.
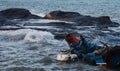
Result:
[{"x": 70, "y": 38}]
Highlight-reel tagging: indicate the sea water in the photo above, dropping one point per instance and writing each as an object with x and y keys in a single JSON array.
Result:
[{"x": 29, "y": 49}]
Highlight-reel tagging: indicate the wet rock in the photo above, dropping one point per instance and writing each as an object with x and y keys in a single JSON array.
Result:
[
  {"x": 61, "y": 14},
  {"x": 104, "y": 20},
  {"x": 46, "y": 59},
  {"x": 117, "y": 46},
  {"x": 2, "y": 20},
  {"x": 61, "y": 36},
  {"x": 76, "y": 17},
  {"x": 6, "y": 22},
  {"x": 18, "y": 13},
  {"x": 113, "y": 54}
]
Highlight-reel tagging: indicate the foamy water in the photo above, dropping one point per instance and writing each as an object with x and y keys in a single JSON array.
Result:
[{"x": 28, "y": 49}]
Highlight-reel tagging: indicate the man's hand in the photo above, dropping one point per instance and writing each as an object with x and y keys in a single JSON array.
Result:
[
  {"x": 72, "y": 51},
  {"x": 96, "y": 52}
]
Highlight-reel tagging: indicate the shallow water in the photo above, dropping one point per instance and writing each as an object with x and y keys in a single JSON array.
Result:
[{"x": 34, "y": 48}]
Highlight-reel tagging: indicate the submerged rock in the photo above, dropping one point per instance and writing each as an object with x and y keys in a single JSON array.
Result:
[
  {"x": 46, "y": 59},
  {"x": 81, "y": 19},
  {"x": 18, "y": 13}
]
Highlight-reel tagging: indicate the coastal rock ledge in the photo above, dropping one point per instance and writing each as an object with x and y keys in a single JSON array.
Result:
[
  {"x": 18, "y": 13},
  {"x": 21, "y": 13},
  {"x": 78, "y": 18}
]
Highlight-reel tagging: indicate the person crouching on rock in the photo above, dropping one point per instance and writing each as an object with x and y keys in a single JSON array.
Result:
[{"x": 81, "y": 46}]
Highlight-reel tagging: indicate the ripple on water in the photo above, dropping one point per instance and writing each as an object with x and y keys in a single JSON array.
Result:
[{"x": 22, "y": 68}]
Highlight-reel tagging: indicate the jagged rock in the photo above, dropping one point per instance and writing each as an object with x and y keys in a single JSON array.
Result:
[
  {"x": 18, "y": 13},
  {"x": 76, "y": 17}
]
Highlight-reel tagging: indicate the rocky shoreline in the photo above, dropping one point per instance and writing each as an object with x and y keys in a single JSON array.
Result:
[{"x": 19, "y": 13}]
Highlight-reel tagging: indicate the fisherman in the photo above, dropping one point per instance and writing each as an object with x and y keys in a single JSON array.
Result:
[{"x": 81, "y": 46}]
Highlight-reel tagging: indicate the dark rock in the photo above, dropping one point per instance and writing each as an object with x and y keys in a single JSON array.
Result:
[
  {"x": 18, "y": 13},
  {"x": 2, "y": 20},
  {"x": 61, "y": 36},
  {"x": 46, "y": 59},
  {"x": 61, "y": 14},
  {"x": 7, "y": 22},
  {"x": 117, "y": 46},
  {"x": 113, "y": 55},
  {"x": 104, "y": 19},
  {"x": 76, "y": 17}
]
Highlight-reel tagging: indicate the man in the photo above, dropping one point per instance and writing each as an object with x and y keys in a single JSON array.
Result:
[{"x": 81, "y": 46}]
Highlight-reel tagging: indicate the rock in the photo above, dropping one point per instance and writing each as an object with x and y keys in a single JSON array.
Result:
[
  {"x": 112, "y": 57},
  {"x": 61, "y": 14},
  {"x": 76, "y": 17},
  {"x": 49, "y": 16},
  {"x": 104, "y": 19},
  {"x": 18, "y": 13},
  {"x": 46, "y": 59},
  {"x": 7, "y": 22},
  {"x": 2, "y": 20}
]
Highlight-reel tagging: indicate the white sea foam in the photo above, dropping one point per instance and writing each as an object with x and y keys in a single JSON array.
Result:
[
  {"x": 38, "y": 36},
  {"x": 44, "y": 21},
  {"x": 27, "y": 35},
  {"x": 13, "y": 33}
]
